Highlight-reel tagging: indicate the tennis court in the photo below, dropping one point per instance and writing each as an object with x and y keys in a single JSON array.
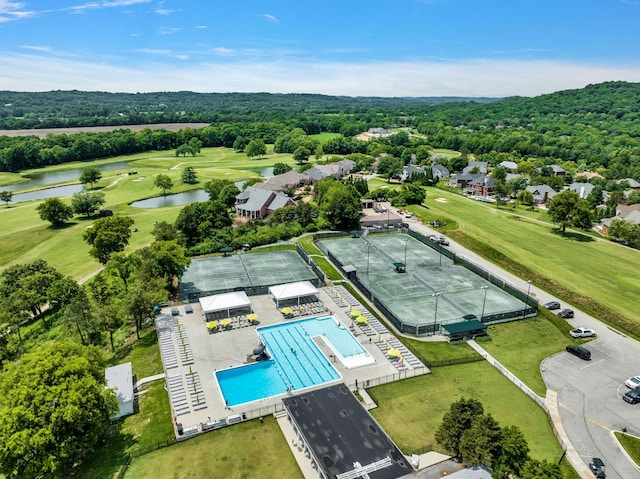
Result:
[
  {"x": 253, "y": 273},
  {"x": 432, "y": 290}
]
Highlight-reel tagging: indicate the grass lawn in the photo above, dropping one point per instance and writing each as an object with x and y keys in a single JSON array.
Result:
[
  {"x": 522, "y": 345},
  {"x": 244, "y": 451},
  {"x": 325, "y": 265},
  {"x": 411, "y": 410},
  {"x": 542, "y": 250},
  {"x": 324, "y": 137},
  {"x": 25, "y": 237},
  {"x": 631, "y": 445}
]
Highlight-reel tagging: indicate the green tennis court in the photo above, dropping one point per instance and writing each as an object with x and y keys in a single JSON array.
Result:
[
  {"x": 432, "y": 290},
  {"x": 253, "y": 273}
]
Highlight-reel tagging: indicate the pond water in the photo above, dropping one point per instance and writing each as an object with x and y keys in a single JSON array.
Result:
[
  {"x": 51, "y": 177},
  {"x": 177, "y": 199},
  {"x": 54, "y": 192}
]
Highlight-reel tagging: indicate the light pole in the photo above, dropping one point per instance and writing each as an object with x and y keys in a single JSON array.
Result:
[
  {"x": 435, "y": 313},
  {"x": 406, "y": 243},
  {"x": 484, "y": 301},
  {"x": 524, "y": 314}
]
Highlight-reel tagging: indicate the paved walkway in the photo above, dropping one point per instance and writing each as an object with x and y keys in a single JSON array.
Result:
[{"x": 148, "y": 379}]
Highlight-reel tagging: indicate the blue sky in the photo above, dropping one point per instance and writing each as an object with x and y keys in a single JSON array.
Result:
[{"x": 356, "y": 48}]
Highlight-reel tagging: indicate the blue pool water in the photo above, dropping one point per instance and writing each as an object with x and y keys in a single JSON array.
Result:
[{"x": 296, "y": 361}]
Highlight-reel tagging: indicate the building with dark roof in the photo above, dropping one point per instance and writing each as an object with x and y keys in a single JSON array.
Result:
[{"x": 257, "y": 203}]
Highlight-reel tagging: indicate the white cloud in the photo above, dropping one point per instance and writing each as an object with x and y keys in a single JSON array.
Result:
[
  {"x": 124, "y": 3},
  {"x": 473, "y": 78},
  {"x": 168, "y": 30},
  {"x": 201, "y": 27},
  {"x": 270, "y": 18},
  {"x": 163, "y": 11},
  {"x": 38, "y": 48},
  {"x": 10, "y": 11},
  {"x": 136, "y": 34},
  {"x": 224, "y": 51}
]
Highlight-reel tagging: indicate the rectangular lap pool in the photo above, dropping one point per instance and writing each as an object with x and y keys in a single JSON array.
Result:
[{"x": 296, "y": 361}]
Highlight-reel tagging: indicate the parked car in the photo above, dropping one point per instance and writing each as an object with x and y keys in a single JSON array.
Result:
[
  {"x": 582, "y": 333},
  {"x": 409, "y": 214},
  {"x": 597, "y": 467},
  {"x": 439, "y": 239},
  {"x": 566, "y": 313},
  {"x": 188, "y": 309},
  {"x": 175, "y": 311},
  {"x": 552, "y": 305},
  {"x": 632, "y": 396},
  {"x": 633, "y": 382},
  {"x": 580, "y": 351}
]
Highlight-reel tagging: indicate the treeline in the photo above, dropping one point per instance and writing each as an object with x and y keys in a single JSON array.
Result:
[
  {"x": 56, "y": 109},
  {"x": 592, "y": 129}
]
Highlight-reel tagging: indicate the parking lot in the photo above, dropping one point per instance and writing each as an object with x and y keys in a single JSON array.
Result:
[{"x": 590, "y": 396}]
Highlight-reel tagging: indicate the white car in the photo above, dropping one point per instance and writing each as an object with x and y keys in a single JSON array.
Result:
[
  {"x": 632, "y": 382},
  {"x": 408, "y": 215},
  {"x": 582, "y": 333}
]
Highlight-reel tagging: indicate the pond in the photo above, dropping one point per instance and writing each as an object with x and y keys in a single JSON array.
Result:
[
  {"x": 51, "y": 177},
  {"x": 55, "y": 192},
  {"x": 177, "y": 199}
]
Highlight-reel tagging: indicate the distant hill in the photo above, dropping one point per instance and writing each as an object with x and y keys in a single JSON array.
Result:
[{"x": 55, "y": 109}]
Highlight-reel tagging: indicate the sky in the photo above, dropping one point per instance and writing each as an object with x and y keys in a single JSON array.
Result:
[{"x": 470, "y": 48}]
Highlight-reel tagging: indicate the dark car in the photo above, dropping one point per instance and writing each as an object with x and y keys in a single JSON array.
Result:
[
  {"x": 175, "y": 311},
  {"x": 632, "y": 396},
  {"x": 566, "y": 313},
  {"x": 552, "y": 305},
  {"x": 597, "y": 467},
  {"x": 580, "y": 351},
  {"x": 188, "y": 309}
]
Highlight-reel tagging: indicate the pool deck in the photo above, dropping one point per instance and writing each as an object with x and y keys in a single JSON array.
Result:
[{"x": 191, "y": 355}]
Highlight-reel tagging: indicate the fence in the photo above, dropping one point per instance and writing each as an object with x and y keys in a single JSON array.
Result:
[{"x": 314, "y": 266}]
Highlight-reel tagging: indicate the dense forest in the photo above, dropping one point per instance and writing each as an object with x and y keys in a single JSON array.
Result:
[
  {"x": 56, "y": 109},
  {"x": 591, "y": 129}
]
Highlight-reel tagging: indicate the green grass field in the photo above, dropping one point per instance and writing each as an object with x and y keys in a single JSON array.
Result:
[
  {"x": 594, "y": 268},
  {"x": 244, "y": 451},
  {"x": 25, "y": 237},
  {"x": 411, "y": 410}
]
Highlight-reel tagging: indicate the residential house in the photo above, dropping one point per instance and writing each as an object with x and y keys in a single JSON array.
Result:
[
  {"x": 258, "y": 203},
  {"x": 483, "y": 186},
  {"x": 440, "y": 172},
  {"x": 583, "y": 189},
  {"x": 557, "y": 171},
  {"x": 623, "y": 212},
  {"x": 541, "y": 193},
  {"x": 510, "y": 166},
  {"x": 633, "y": 184},
  {"x": 589, "y": 175},
  {"x": 285, "y": 181},
  {"x": 464, "y": 180},
  {"x": 481, "y": 166},
  {"x": 337, "y": 170}
]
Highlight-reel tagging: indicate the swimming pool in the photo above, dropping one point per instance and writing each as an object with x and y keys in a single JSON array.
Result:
[{"x": 296, "y": 360}]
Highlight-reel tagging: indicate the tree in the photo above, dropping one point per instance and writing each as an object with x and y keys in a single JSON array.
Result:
[
  {"x": 623, "y": 230},
  {"x": 340, "y": 206},
  {"x": 122, "y": 266},
  {"x": 196, "y": 146},
  {"x": 568, "y": 209},
  {"x": 79, "y": 314},
  {"x": 256, "y": 148},
  {"x": 54, "y": 410},
  {"x": 459, "y": 418},
  {"x": 525, "y": 197},
  {"x": 87, "y": 203},
  {"x": 301, "y": 155},
  {"x": 90, "y": 175},
  {"x": 165, "y": 259},
  {"x": 163, "y": 231},
  {"x": 107, "y": 236},
  {"x": 535, "y": 469},
  {"x": 184, "y": 150},
  {"x": 481, "y": 442},
  {"x": 512, "y": 453},
  {"x": 163, "y": 182},
  {"x": 189, "y": 176},
  {"x": 143, "y": 295},
  {"x": 6, "y": 197},
  {"x": 278, "y": 169},
  {"x": 54, "y": 211}
]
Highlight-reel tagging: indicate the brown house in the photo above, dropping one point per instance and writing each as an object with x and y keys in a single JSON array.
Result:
[{"x": 258, "y": 203}]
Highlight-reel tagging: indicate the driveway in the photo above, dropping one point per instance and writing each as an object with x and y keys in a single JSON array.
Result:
[{"x": 589, "y": 392}]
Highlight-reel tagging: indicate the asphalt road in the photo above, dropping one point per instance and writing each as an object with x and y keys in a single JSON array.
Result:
[{"x": 589, "y": 392}]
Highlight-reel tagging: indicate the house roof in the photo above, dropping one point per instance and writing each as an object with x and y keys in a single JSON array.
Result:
[
  {"x": 286, "y": 180},
  {"x": 509, "y": 165},
  {"x": 485, "y": 181},
  {"x": 481, "y": 165},
  {"x": 279, "y": 201},
  {"x": 557, "y": 169},
  {"x": 632, "y": 183},
  {"x": 440, "y": 170},
  {"x": 258, "y": 198},
  {"x": 541, "y": 190},
  {"x": 624, "y": 210},
  {"x": 120, "y": 378},
  {"x": 583, "y": 189},
  {"x": 468, "y": 176}
]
